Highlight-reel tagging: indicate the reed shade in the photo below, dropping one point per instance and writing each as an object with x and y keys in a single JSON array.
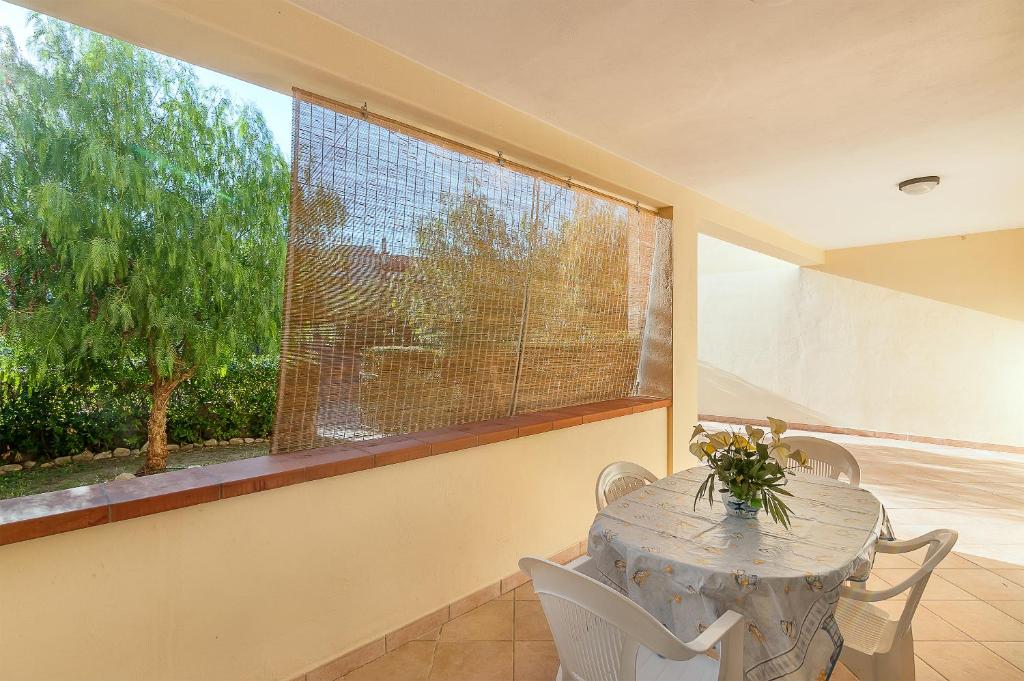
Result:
[{"x": 429, "y": 285}]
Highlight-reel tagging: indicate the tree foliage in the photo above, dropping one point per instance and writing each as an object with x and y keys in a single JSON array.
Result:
[{"x": 142, "y": 216}]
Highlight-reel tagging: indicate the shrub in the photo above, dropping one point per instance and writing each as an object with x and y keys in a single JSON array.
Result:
[{"x": 66, "y": 415}]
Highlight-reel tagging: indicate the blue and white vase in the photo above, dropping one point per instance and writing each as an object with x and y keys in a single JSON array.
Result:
[{"x": 737, "y": 508}]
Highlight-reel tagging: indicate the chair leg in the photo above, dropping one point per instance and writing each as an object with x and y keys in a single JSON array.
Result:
[{"x": 898, "y": 663}]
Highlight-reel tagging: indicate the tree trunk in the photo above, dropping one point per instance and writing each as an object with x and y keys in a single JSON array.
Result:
[{"x": 156, "y": 454}]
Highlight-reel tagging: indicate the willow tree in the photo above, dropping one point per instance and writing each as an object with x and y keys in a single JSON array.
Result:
[{"x": 142, "y": 216}]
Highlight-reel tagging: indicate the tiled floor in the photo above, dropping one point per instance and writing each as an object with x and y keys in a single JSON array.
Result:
[{"x": 969, "y": 626}]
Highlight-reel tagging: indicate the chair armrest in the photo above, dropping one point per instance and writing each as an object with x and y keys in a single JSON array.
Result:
[
  {"x": 861, "y": 594},
  {"x": 716, "y": 632},
  {"x": 905, "y": 546}
]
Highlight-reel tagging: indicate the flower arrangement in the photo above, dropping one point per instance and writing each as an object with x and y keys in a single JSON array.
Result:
[{"x": 750, "y": 468}]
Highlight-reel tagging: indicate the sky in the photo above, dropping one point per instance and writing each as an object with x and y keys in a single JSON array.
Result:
[{"x": 276, "y": 108}]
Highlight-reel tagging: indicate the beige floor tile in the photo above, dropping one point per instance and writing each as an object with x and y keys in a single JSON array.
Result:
[
  {"x": 995, "y": 557},
  {"x": 490, "y": 622},
  {"x": 429, "y": 636},
  {"x": 1011, "y": 651},
  {"x": 1015, "y": 576},
  {"x": 841, "y": 673},
  {"x": 893, "y": 560},
  {"x": 978, "y": 619},
  {"x": 531, "y": 624},
  {"x": 472, "y": 661},
  {"x": 1012, "y": 608},
  {"x": 984, "y": 584},
  {"x": 923, "y": 672},
  {"x": 953, "y": 561},
  {"x": 927, "y": 626},
  {"x": 938, "y": 589},
  {"x": 966, "y": 661},
  {"x": 526, "y": 593},
  {"x": 535, "y": 661},
  {"x": 507, "y": 596},
  {"x": 410, "y": 662}
]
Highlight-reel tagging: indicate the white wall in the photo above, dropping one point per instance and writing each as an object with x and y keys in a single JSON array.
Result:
[{"x": 808, "y": 346}]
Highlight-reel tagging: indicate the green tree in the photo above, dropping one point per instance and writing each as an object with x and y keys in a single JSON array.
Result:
[{"x": 142, "y": 217}]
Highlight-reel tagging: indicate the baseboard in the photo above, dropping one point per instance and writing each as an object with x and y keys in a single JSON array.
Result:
[
  {"x": 422, "y": 626},
  {"x": 818, "y": 428}
]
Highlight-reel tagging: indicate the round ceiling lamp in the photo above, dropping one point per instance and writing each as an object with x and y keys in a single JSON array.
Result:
[{"x": 919, "y": 185}]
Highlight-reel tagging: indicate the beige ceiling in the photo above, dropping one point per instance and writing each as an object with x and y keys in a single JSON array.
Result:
[{"x": 804, "y": 114}]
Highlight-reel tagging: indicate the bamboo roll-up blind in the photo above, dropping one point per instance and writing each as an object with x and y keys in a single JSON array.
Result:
[{"x": 429, "y": 284}]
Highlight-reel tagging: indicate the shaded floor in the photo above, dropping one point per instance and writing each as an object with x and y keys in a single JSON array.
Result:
[{"x": 969, "y": 626}]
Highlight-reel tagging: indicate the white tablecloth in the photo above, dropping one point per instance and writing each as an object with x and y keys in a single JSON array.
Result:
[{"x": 687, "y": 567}]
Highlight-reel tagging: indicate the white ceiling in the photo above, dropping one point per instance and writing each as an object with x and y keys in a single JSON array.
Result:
[{"x": 805, "y": 115}]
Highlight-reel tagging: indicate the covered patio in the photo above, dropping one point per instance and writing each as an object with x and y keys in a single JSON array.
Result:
[{"x": 509, "y": 273}]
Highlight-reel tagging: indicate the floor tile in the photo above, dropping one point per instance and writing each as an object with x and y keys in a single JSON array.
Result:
[
  {"x": 979, "y": 620},
  {"x": 473, "y": 661},
  {"x": 966, "y": 661},
  {"x": 938, "y": 588},
  {"x": 490, "y": 622},
  {"x": 410, "y": 662},
  {"x": 531, "y": 624},
  {"x": 1011, "y": 651},
  {"x": 526, "y": 593},
  {"x": 995, "y": 557},
  {"x": 1012, "y": 608},
  {"x": 923, "y": 672},
  {"x": 535, "y": 661},
  {"x": 841, "y": 673},
  {"x": 927, "y": 626},
  {"x": 1015, "y": 576},
  {"x": 984, "y": 584},
  {"x": 893, "y": 560}
]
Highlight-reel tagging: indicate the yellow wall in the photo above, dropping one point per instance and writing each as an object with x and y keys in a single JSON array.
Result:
[
  {"x": 267, "y": 585},
  {"x": 978, "y": 271}
]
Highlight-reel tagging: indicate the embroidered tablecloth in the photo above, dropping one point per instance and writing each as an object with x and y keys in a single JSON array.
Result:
[{"x": 687, "y": 567}]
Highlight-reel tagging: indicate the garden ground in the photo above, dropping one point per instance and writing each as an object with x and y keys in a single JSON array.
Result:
[{"x": 76, "y": 473}]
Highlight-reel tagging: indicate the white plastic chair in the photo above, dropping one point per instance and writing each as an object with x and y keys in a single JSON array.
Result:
[
  {"x": 826, "y": 458},
  {"x": 619, "y": 479},
  {"x": 603, "y": 636},
  {"x": 877, "y": 648}
]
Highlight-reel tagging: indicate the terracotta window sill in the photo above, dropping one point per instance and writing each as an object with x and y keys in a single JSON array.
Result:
[{"x": 49, "y": 513}]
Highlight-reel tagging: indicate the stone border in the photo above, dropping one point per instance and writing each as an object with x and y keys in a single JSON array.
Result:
[
  {"x": 41, "y": 515},
  {"x": 18, "y": 463}
]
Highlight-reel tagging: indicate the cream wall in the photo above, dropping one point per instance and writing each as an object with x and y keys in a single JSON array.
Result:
[
  {"x": 978, "y": 271},
  {"x": 267, "y": 585},
  {"x": 814, "y": 347}
]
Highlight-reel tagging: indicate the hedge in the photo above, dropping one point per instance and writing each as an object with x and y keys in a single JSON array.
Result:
[{"x": 67, "y": 416}]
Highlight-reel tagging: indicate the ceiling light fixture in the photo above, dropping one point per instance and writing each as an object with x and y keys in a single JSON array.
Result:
[{"x": 919, "y": 185}]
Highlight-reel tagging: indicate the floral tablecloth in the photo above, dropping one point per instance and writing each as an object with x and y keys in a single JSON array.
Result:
[{"x": 687, "y": 567}]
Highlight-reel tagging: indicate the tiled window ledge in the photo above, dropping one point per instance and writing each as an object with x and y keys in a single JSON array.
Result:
[{"x": 49, "y": 513}]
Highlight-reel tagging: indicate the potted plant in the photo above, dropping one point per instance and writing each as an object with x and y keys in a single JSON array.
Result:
[{"x": 751, "y": 469}]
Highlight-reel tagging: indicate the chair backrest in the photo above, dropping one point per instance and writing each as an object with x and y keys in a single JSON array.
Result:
[
  {"x": 619, "y": 479},
  {"x": 939, "y": 543},
  {"x": 598, "y": 631},
  {"x": 826, "y": 458}
]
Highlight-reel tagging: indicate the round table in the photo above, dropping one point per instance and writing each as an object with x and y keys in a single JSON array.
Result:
[{"x": 687, "y": 567}]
